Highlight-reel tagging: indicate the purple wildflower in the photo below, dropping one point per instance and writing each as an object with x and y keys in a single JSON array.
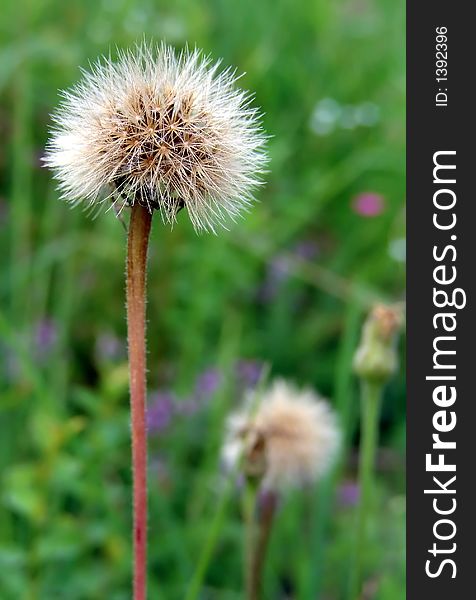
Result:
[
  {"x": 160, "y": 412},
  {"x": 368, "y": 204},
  {"x": 248, "y": 372},
  {"x": 348, "y": 493},
  {"x": 207, "y": 383},
  {"x": 45, "y": 336}
]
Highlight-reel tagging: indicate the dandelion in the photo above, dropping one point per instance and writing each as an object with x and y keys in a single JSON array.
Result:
[
  {"x": 289, "y": 438},
  {"x": 162, "y": 130},
  {"x": 155, "y": 131}
]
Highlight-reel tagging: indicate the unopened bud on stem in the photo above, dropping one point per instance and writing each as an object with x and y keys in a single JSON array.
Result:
[{"x": 376, "y": 357}]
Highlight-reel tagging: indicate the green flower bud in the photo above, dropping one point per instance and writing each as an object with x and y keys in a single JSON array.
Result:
[{"x": 376, "y": 357}]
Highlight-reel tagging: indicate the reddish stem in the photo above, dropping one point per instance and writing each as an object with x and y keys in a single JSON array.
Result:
[
  {"x": 267, "y": 511},
  {"x": 139, "y": 230}
]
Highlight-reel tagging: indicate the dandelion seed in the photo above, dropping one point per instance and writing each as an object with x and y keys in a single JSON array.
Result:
[{"x": 163, "y": 130}]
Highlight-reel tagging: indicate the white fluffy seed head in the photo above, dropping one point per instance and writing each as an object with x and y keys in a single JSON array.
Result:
[
  {"x": 290, "y": 438},
  {"x": 168, "y": 131}
]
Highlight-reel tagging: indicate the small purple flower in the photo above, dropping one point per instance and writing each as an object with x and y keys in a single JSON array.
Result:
[
  {"x": 207, "y": 383},
  {"x": 368, "y": 204},
  {"x": 160, "y": 412},
  {"x": 348, "y": 493},
  {"x": 248, "y": 372},
  {"x": 45, "y": 336}
]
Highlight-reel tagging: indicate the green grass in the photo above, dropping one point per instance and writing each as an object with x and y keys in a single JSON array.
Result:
[{"x": 64, "y": 426}]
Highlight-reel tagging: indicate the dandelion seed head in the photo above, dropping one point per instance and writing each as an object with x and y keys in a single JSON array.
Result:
[
  {"x": 289, "y": 439},
  {"x": 166, "y": 130}
]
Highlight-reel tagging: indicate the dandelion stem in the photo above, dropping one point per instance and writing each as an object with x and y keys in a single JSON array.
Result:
[
  {"x": 266, "y": 517},
  {"x": 257, "y": 532},
  {"x": 249, "y": 520},
  {"x": 370, "y": 408},
  {"x": 139, "y": 230}
]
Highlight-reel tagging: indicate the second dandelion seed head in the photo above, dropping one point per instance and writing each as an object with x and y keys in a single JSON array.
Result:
[
  {"x": 167, "y": 131},
  {"x": 289, "y": 438}
]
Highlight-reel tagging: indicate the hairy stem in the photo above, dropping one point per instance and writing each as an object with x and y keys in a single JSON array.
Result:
[
  {"x": 258, "y": 525},
  {"x": 266, "y": 517},
  {"x": 139, "y": 230},
  {"x": 248, "y": 511}
]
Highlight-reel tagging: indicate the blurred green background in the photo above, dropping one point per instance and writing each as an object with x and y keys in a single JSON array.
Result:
[{"x": 288, "y": 286}]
